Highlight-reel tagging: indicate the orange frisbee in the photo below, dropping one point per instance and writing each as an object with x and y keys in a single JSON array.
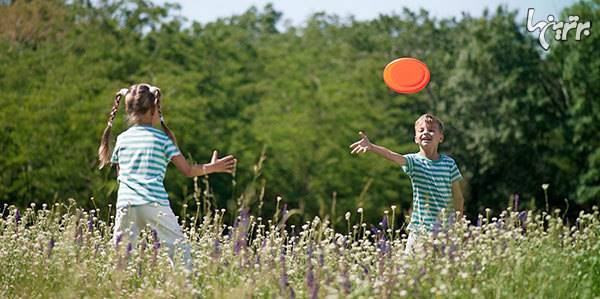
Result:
[{"x": 406, "y": 75}]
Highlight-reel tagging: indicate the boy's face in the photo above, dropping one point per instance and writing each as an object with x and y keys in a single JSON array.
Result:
[{"x": 428, "y": 135}]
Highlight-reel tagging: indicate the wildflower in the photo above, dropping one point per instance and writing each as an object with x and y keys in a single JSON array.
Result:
[
  {"x": 360, "y": 210},
  {"x": 384, "y": 223},
  {"x": 119, "y": 238},
  {"x": 436, "y": 228},
  {"x": 129, "y": 248},
  {"x": 451, "y": 219},
  {"x": 50, "y": 246},
  {"x": 217, "y": 248},
  {"x": 347, "y": 216},
  {"x": 17, "y": 216},
  {"x": 310, "y": 275},
  {"x": 516, "y": 207},
  {"x": 283, "y": 279},
  {"x": 545, "y": 186},
  {"x": 155, "y": 241}
]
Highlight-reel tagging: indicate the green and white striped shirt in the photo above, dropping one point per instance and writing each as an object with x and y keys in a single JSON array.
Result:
[
  {"x": 432, "y": 188},
  {"x": 142, "y": 153}
]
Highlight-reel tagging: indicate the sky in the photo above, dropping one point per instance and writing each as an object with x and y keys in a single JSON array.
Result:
[{"x": 296, "y": 12}]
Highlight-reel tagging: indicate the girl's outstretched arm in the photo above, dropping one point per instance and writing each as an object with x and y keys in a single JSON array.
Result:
[
  {"x": 364, "y": 145},
  {"x": 225, "y": 164}
]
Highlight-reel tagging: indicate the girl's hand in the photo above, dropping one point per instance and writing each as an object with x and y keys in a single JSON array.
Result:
[
  {"x": 225, "y": 164},
  {"x": 361, "y": 146}
]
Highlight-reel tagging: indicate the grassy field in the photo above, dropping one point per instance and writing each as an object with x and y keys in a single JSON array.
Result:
[{"x": 62, "y": 251}]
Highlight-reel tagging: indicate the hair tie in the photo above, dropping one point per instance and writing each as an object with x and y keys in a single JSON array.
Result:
[{"x": 154, "y": 89}]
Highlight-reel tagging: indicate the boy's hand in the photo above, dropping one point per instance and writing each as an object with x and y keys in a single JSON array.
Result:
[
  {"x": 225, "y": 164},
  {"x": 361, "y": 146}
]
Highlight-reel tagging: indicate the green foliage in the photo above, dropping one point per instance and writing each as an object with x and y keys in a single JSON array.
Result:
[{"x": 516, "y": 117}]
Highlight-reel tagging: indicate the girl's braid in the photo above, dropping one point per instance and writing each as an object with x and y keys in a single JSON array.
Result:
[
  {"x": 157, "y": 98},
  {"x": 104, "y": 150},
  {"x": 113, "y": 112}
]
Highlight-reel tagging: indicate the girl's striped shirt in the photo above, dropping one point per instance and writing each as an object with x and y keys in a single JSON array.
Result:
[
  {"x": 432, "y": 188},
  {"x": 142, "y": 153}
]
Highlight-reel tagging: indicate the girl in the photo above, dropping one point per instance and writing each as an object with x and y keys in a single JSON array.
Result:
[{"x": 141, "y": 156}]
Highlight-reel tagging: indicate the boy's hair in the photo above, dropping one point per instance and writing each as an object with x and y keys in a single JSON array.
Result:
[
  {"x": 139, "y": 99},
  {"x": 430, "y": 119}
]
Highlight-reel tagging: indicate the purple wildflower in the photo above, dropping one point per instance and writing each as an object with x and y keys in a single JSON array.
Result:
[
  {"x": 50, "y": 246},
  {"x": 128, "y": 250},
  {"x": 383, "y": 246},
  {"x": 241, "y": 240},
  {"x": 257, "y": 259},
  {"x": 499, "y": 224},
  {"x": 436, "y": 228},
  {"x": 143, "y": 246},
  {"x": 451, "y": 219},
  {"x": 17, "y": 216},
  {"x": 374, "y": 230},
  {"x": 523, "y": 216},
  {"x": 216, "y": 248},
  {"x": 283, "y": 280},
  {"x": 155, "y": 240},
  {"x": 451, "y": 250},
  {"x": 118, "y": 239},
  {"x": 365, "y": 269},
  {"x": 523, "y": 219},
  {"x": 321, "y": 258},
  {"x": 384, "y": 223},
  {"x": 90, "y": 224}
]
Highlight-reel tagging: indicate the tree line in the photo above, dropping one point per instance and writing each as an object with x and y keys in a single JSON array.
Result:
[{"x": 288, "y": 100}]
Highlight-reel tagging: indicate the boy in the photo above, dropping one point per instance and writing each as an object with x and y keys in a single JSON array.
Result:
[{"x": 435, "y": 177}]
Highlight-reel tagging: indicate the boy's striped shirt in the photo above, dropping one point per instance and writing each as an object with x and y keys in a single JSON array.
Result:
[
  {"x": 432, "y": 188},
  {"x": 142, "y": 153}
]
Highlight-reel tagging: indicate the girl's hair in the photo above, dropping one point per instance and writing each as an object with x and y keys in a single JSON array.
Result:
[{"x": 139, "y": 99}]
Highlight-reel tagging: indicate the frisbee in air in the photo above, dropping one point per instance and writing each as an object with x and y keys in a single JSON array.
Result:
[{"x": 406, "y": 75}]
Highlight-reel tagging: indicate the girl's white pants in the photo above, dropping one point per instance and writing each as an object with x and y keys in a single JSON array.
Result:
[{"x": 130, "y": 220}]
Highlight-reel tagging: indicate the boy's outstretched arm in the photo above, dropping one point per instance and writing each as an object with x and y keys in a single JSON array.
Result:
[
  {"x": 364, "y": 145},
  {"x": 459, "y": 201},
  {"x": 225, "y": 164}
]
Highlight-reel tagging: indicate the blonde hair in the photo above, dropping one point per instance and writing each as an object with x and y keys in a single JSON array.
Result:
[
  {"x": 139, "y": 99},
  {"x": 430, "y": 119}
]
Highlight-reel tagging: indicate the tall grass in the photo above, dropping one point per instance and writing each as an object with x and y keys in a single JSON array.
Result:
[{"x": 62, "y": 251}]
